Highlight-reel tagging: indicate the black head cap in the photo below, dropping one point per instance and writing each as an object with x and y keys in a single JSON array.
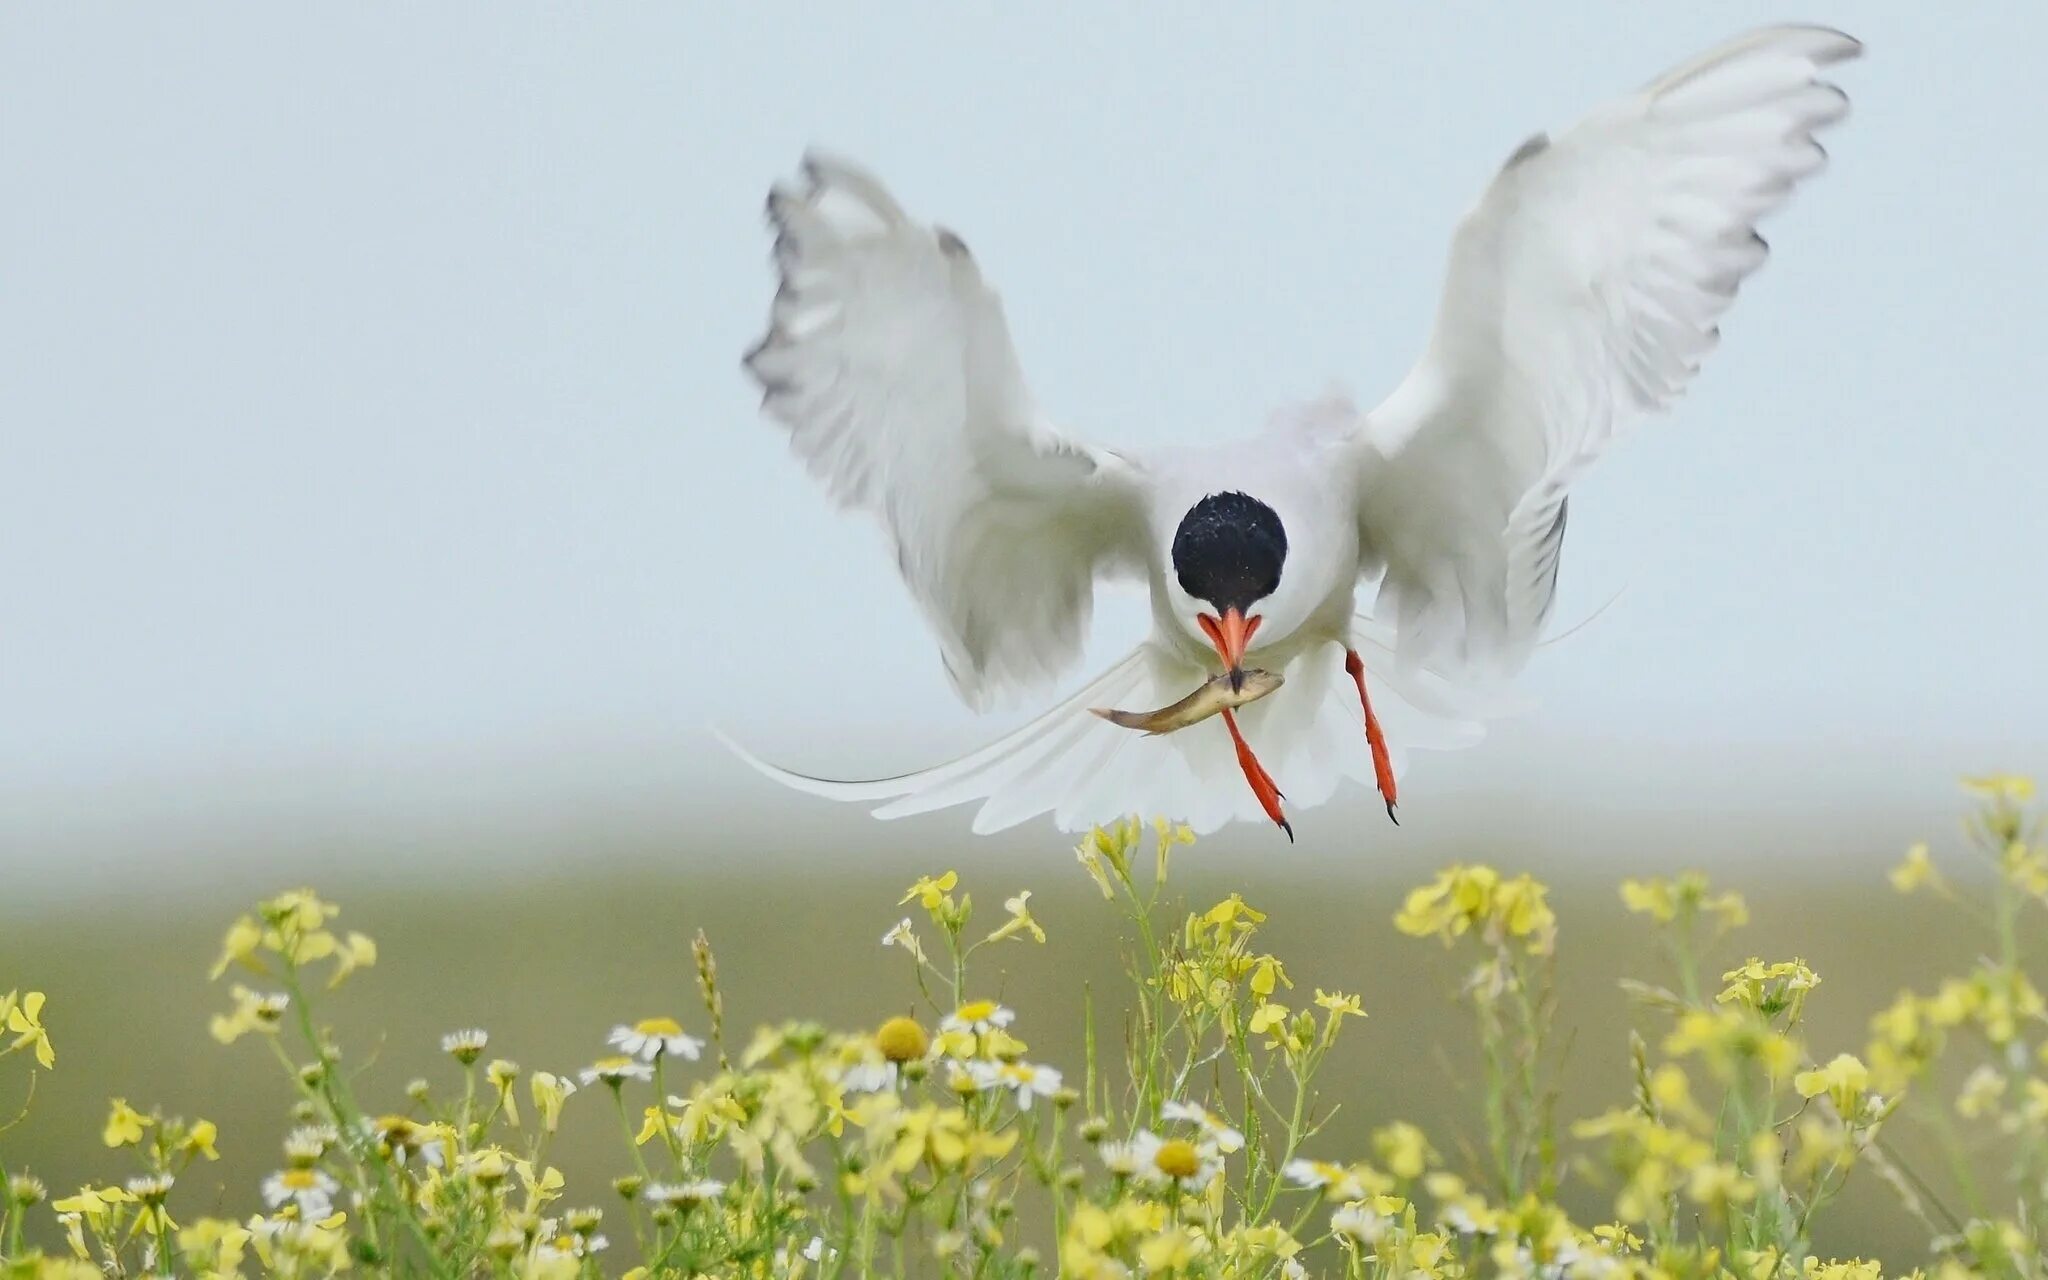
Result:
[{"x": 1228, "y": 551}]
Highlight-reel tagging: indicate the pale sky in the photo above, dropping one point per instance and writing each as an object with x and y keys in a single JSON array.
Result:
[{"x": 374, "y": 447}]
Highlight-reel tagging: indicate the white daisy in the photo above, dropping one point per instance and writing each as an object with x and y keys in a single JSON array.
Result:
[
  {"x": 151, "y": 1189},
  {"x": 652, "y": 1038},
  {"x": 684, "y": 1195},
  {"x": 616, "y": 1071},
  {"x": 1177, "y": 1162},
  {"x": 1028, "y": 1079},
  {"x": 1226, "y": 1138},
  {"x": 1458, "y": 1217},
  {"x": 1126, "y": 1159},
  {"x": 466, "y": 1045},
  {"x": 978, "y": 1015},
  {"x": 1361, "y": 1221},
  {"x": 310, "y": 1190},
  {"x": 308, "y": 1143},
  {"x": 399, "y": 1136},
  {"x": 870, "y": 1075},
  {"x": 1340, "y": 1182}
]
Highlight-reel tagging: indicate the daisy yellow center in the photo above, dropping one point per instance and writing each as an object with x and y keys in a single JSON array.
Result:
[
  {"x": 902, "y": 1040},
  {"x": 1177, "y": 1158},
  {"x": 658, "y": 1027},
  {"x": 396, "y": 1128},
  {"x": 977, "y": 1011},
  {"x": 299, "y": 1179},
  {"x": 611, "y": 1066}
]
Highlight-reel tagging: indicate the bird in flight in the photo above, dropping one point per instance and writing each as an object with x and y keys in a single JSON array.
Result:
[{"x": 1582, "y": 292}]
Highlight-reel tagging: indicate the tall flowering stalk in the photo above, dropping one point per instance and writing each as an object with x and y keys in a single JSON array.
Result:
[{"x": 1188, "y": 1141}]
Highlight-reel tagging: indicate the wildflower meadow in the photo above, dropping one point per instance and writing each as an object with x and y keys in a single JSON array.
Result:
[{"x": 1188, "y": 1138}]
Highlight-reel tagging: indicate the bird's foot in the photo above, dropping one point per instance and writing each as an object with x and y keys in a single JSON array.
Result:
[
  {"x": 1268, "y": 792},
  {"x": 1375, "y": 737}
]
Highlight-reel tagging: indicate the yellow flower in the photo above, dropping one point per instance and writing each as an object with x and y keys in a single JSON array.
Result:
[
  {"x": 1726, "y": 1036},
  {"x": 199, "y": 1139},
  {"x": 1915, "y": 871},
  {"x": 1403, "y": 1149},
  {"x": 214, "y": 1245},
  {"x": 954, "y": 1141},
  {"x": 245, "y": 936},
  {"x": 92, "y": 1202},
  {"x": 1520, "y": 908},
  {"x": 1716, "y": 1186},
  {"x": 1339, "y": 1004},
  {"x": 1843, "y": 1080},
  {"x": 1651, "y": 898},
  {"x": 1233, "y": 914},
  {"x": 124, "y": 1124},
  {"x": 503, "y": 1074},
  {"x": 1106, "y": 852},
  {"x": 24, "y": 1017},
  {"x": 549, "y": 1092},
  {"x": 1449, "y": 905},
  {"x": 298, "y": 910},
  {"x": 356, "y": 951},
  {"x": 1981, "y": 1092},
  {"x": 1769, "y": 988},
  {"x": 1170, "y": 1250},
  {"x": 1266, "y": 1017},
  {"x": 1463, "y": 899},
  {"x": 1766, "y": 1158},
  {"x": 2009, "y": 788},
  {"x": 902, "y": 1040},
  {"x": 931, "y": 892},
  {"x": 1666, "y": 900},
  {"x": 1170, "y": 834},
  {"x": 1020, "y": 921},
  {"x": 2025, "y": 869},
  {"x": 1268, "y": 974}
]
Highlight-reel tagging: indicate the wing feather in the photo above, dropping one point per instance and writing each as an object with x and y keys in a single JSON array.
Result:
[
  {"x": 1583, "y": 292},
  {"x": 889, "y": 360}
]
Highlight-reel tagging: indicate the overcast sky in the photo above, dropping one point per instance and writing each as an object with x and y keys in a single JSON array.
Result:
[{"x": 373, "y": 438}]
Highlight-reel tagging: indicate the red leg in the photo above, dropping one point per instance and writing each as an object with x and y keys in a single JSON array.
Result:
[
  {"x": 1255, "y": 773},
  {"x": 1382, "y": 762}
]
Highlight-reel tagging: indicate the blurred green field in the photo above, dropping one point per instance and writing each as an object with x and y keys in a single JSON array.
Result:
[{"x": 549, "y": 965}]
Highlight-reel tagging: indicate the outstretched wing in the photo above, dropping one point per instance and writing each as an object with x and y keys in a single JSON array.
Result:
[
  {"x": 888, "y": 359},
  {"x": 1582, "y": 293}
]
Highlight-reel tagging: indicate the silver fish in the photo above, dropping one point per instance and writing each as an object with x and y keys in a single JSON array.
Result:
[{"x": 1210, "y": 697}]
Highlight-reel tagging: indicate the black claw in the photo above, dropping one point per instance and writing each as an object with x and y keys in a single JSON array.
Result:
[
  {"x": 1287, "y": 827},
  {"x": 1390, "y": 813}
]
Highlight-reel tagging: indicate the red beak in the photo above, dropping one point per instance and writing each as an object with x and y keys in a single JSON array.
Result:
[{"x": 1230, "y": 636}]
